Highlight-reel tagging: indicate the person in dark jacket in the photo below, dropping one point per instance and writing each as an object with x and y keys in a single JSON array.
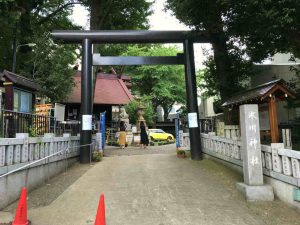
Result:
[{"x": 144, "y": 136}]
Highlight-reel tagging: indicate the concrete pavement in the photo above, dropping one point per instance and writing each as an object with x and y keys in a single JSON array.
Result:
[{"x": 159, "y": 189}]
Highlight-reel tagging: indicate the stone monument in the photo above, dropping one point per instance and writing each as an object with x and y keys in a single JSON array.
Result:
[
  {"x": 141, "y": 118},
  {"x": 253, "y": 187},
  {"x": 124, "y": 117},
  {"x": 136, "y": 134}
]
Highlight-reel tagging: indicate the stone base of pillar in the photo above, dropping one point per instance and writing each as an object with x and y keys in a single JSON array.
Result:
[{"x": 256, "y": 193}]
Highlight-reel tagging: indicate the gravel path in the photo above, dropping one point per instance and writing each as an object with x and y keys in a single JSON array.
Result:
[
  {"x": 151, "y": 187},
  {"x": 116, "y": 151}
]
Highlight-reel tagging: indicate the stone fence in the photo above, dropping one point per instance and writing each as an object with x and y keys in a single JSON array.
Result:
[
  {"x": 21, "y": 151},
  {"x": 16, "y": 152},
  {"x": 223, "y": 148},
  {"x": 281, "y": 166},
  {"x": 280, "y": 163}
]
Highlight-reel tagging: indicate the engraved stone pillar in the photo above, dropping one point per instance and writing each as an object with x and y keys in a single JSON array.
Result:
[{"x": 253, "y": 187}]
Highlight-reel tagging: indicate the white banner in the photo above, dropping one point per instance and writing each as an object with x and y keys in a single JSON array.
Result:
[
  {"x": 86, "y": 122},
  {"x": 193, "y": 121}
]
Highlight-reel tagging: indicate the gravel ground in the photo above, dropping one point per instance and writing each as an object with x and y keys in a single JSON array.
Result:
[
  {"x": 48, "y": 192},
  {"x": 269, "y": 213},
  {"x": 162, "y": 149}
]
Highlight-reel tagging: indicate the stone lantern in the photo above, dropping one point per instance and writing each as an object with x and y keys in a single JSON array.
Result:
[{"x": 140, "y": 113}]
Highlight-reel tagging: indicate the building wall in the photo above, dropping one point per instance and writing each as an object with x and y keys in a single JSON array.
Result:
[{"x": 267, "y": 73}]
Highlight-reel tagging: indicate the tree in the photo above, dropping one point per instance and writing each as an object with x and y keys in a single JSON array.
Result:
[
  {"x": 266, "y": 27},
  {"x": 31, "y": 21},
  {"x": 206, "y": 16},
  {"x": 51, "y": 68},
  {"x": 132, "y": 108},
  {"x": 248, "y": 30},
  {"x": 46, "y": 62},
  {"x": 165, "y": 85}
]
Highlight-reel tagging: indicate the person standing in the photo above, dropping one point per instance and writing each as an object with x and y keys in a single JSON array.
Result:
[
  {"x": 122, "y": 135},
  {"x": 144, "y": 135}
]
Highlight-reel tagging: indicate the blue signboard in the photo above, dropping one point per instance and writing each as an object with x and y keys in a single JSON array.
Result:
[
  {"x": 177, "y": 127},
  {"x": 102, "y": 128}
]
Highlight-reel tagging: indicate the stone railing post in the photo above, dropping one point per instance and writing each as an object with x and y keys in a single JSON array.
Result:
[
  {"x": 67, "y": 150},
  {"x": 51, "y": 144},
  {"x": 253, "y": 187},
  {"x": 25, "y": 147}
]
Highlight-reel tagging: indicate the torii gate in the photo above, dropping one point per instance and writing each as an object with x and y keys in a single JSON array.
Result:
[{"x": 87, "y": 38}]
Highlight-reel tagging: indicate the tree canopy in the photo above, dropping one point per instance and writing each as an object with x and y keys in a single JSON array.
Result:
[
  {"x": 29, "y": 22},
  {"x": 164, "y": 84},
  {"x": 26, "y": 32},
  {"x": 243, "y": 32}
]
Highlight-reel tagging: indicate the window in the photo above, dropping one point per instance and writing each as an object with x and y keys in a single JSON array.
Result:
[{"x": 22, "y": 101}]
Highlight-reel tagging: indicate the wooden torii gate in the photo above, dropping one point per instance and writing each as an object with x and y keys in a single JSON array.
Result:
[{"x": 87, "y": 38}]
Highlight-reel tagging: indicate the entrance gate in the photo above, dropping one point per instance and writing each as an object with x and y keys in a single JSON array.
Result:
[{"x": 87, "y": 38}]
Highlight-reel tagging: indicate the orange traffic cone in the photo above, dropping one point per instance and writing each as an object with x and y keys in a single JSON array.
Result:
[
  {"x": 100, "y": 217},
  {"x": 21, "y": 213}
]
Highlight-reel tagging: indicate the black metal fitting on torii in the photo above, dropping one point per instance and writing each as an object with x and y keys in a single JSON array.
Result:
[{"x": 87, "y": 38}]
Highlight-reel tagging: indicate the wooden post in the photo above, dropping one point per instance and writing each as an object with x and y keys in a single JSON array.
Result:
[
  {"x": 273, "y": 120},
  {"x": 9, "y": 96}
]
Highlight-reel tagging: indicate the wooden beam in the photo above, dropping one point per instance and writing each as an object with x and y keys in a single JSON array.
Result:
[
  {"x": 277, "y": 87},
  {"x": 9, "y": 96},
  {"x": 273, "y": 121}
]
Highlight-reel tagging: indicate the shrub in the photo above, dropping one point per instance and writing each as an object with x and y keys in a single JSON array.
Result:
[
  {"x": 180, "y": 152},
  {"x": 97, "y": 156}
]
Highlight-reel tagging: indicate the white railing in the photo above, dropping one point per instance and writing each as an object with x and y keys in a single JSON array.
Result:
[
  {"x": 15, "y": 151},
  {"x": 277, "y": 162},
  {"x": 232, "y": 131},
  {"x": 282, "y": 164},
  {"x": 223, "y": 148}
]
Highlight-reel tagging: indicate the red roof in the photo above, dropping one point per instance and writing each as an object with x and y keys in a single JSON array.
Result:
[{"x": 109, "y": 90}]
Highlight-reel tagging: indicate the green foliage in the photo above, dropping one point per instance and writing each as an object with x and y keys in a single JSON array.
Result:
[
  {"x": 32, "y": 132},
  {"x": 238, "y": 76},
  {"x": 51, "y": 68},
  {"x": 294, "y": 84},
  {"x": 31, "y": 21},
  {"x": 279, "y": 31},
  {"x": 243, "y": 32},
  {"x": 132, "y": 108},
  {"x": 27, "y": 22},
  {"x": 97, "y": 156},
  {"x": 164, "y": 85},
  {"x": 180, "y": 152},
  {"x": 118, "y": 15}
]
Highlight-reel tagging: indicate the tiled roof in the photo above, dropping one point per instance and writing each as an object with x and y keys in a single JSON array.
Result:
[
  {"x": 109, "y": 90},
  {"x": 20, "y": 80},
  {"x": 259, "y": 93}
]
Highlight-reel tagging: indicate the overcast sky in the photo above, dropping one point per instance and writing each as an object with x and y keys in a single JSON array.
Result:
[{"x": 160, "y": 20}]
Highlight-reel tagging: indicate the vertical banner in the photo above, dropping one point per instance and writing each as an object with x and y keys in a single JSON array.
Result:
[
  {"x": 102, "y": 128},
  {"x": 99, "y": 142},
  {"x": 177, "y": 127}
]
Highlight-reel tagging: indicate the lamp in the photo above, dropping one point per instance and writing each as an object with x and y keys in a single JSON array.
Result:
[{"x": 15, "y": 55}]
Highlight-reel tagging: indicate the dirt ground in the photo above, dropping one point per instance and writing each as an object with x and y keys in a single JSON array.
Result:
[
  {"x": 269, "y": 213},
  {"x": 48, "y": 192}
]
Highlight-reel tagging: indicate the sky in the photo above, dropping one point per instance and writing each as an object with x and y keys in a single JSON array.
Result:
[{"x": 159, "y": 20}]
